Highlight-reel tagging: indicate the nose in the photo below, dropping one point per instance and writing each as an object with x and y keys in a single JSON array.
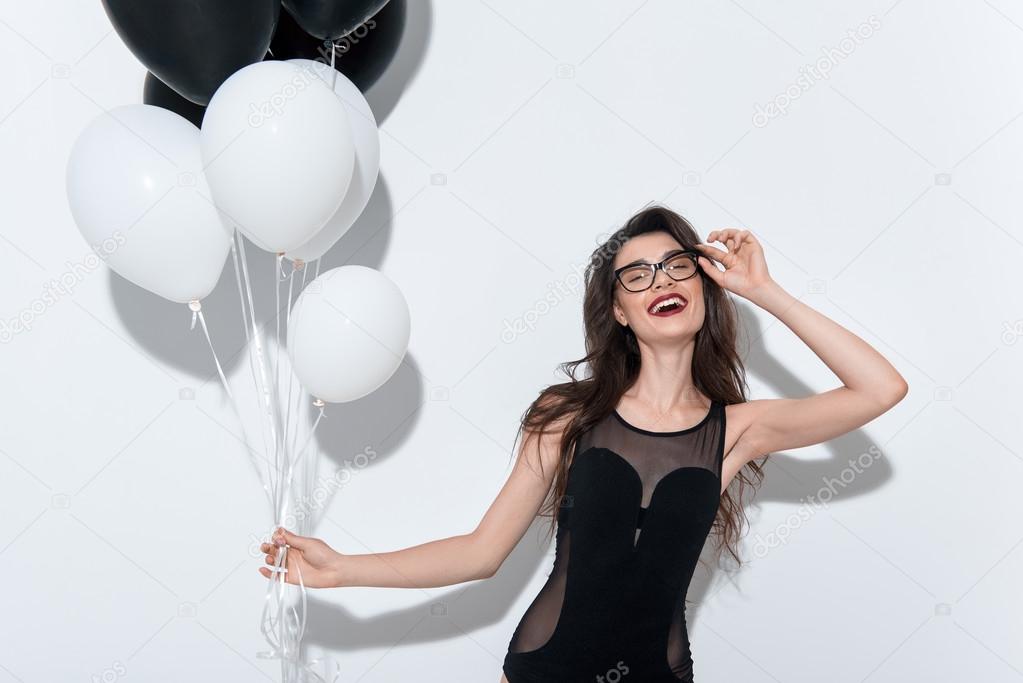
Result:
[{"x": 661, "y": 278}]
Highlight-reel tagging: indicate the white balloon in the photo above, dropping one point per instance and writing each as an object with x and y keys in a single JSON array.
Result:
[
  {"x": 279, "y": 153},
  {"x": 137, "y": 192},
  {"x": 348, "y": 332},
  {"x": 366, "y": 138}
]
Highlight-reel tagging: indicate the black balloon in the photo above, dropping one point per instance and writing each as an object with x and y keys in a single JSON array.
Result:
[
  {"x": 159, "y": 94},
  {"x": 362, "y": 55},
  {"x": 331, "y": 19},
  {"x": 194, "y": 46}
]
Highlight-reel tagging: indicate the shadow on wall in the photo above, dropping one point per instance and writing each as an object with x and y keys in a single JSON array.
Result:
[{"x": 466, "y": 608}]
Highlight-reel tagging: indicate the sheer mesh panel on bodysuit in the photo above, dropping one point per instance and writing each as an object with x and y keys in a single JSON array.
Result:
[
  {"x": 655, "y": 454},
  {"x": 539, "y": 621},
  {"x": 652, "y": 455},
  {"x": 680, "y": 657}
]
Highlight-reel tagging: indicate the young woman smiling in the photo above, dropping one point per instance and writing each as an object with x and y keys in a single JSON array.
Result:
[{"x": 634, "y": 461}]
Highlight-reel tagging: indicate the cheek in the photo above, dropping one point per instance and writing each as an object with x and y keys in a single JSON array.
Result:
[
  {"x": 636, "y": 309},
  {"x": 631, "y": 308},
  {"x": 700, "y": 313}
]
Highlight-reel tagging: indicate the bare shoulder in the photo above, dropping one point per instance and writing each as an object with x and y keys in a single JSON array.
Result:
[{"x": 546, "y": 444}]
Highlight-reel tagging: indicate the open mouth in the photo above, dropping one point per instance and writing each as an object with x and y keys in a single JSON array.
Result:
[{"x": 668, "y": 305}]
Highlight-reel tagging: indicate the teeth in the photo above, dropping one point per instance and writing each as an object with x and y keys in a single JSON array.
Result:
[{"x": 665, "y": 302}]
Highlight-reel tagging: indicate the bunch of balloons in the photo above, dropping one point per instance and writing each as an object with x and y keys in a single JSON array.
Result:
[{"x": 287, "y": 155}]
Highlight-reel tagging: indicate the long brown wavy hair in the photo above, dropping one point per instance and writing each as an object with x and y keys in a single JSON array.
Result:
[{"x": 613, "y": 359}]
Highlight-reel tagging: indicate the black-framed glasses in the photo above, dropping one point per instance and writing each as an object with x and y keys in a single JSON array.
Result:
[{"x": 637, "y": 277}]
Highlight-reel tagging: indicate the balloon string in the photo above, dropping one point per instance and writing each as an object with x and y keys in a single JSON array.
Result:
[
  {"x": 281, "y": 635},
  {"x": 277, "y": 352},
  {"x": 279, "y": 275},
  {"x": 290, "y": 473},
  {"x": 257, "y": 374},
  {"x": 289, "y": 276},
  {"x": 291, "y": 375},
  {"x": 283, "y": 627},
  {"x": 267, "y": 389},
  {"x": 238, "y": 281},
  {"x": 309, "y": 472},
  {"x": 269, "y": 484},
  {"x": 333, "y": 50},
  {"x": 196, "y": 308}
]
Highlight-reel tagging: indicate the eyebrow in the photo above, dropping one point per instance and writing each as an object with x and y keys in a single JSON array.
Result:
[{"x": 663, "y": 256}]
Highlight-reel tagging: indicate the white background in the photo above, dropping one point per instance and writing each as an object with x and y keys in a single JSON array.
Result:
[{"x": 515, "y": 135}]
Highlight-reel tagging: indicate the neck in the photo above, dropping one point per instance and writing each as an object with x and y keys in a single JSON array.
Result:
[{"x": 665, "y": 380}]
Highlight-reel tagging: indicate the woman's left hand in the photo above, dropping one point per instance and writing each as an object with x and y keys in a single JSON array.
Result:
[{"x": 745, "y": 270}]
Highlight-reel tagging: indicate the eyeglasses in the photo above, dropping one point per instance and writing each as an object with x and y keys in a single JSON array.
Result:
[{"x": 681, "y": 265}]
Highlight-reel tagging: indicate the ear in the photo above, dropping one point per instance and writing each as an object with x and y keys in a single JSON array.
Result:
[{"x": 619, "y": 315}]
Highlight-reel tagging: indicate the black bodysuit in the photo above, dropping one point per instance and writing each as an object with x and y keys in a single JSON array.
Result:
[{"x": 637, "y": 510}]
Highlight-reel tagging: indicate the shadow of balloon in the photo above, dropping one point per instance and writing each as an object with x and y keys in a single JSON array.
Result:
[
  {"x": 380, "y": 58},
  {"x": 378, "y": 424}
]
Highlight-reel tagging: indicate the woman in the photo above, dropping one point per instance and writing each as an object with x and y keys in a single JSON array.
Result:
[{"x": 637, "y": 457}]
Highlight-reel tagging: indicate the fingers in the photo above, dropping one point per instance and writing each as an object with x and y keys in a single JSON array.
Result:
[
  {"x": 273, "y": 569},
  {"x": 722, "y": 235},
  {"x": 272, "y": 552},
  {"x": 732, "y": 238},
  {"x": 271, "y": 557},
  {"x": 269, "y": 573},
  {"x": 285, "y": 537},
  {"x": 281, "y": 538},
  {"x": 710, "y": 270},
  {"x": 751, "y": 242},
  {"x": 713, "y": 252}
]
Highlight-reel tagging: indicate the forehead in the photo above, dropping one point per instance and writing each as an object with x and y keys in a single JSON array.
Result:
[{"x": 649, "y": 246}]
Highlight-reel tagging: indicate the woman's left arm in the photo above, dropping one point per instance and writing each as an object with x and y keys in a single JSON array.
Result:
[{"x": 871, "y": 385}]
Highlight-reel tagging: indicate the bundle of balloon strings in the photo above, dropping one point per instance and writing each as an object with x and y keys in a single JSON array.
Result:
[{"x": 283, "y": 619}]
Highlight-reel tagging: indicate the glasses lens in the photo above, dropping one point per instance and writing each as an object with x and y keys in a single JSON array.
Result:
[
  {"x": 636, "y": 278},
  {"x": 680, "y": 267}
]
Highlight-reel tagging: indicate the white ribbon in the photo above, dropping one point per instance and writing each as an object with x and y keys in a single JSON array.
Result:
[
  {"x": 282, "y": 625},
  {"x": 196, "y": 309}
]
